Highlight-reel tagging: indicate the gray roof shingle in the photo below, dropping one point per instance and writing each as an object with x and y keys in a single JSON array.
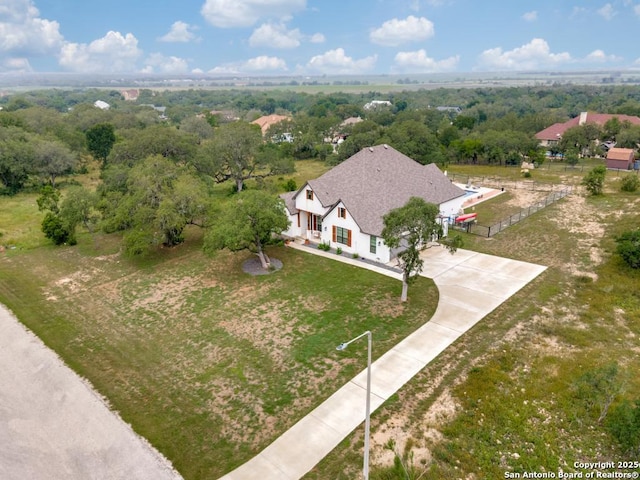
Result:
[{"x": 378, "y": 179}]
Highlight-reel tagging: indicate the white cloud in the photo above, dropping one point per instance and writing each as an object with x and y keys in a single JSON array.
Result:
[
  {"x": 112, "y": 53},
  {"x": 419, "y": 62},
  {"x": 264, "y": 63},
  {"x": 15, "y": 65},
  {"x": 244, "y": 13},
  {"x": 158, "y": 63},
  {"x": 22, "y": 31},
  {"x": 180, "y": 32},
  {"x": 259, "y": 64},
  {"x": 636, "y": 10},
  {"x": 337, "y": 62},
  {"x": 396, "y": 32},
  {"x": 578, "y": 12},
  {"x": 607, "y": 12},
  {"x": 598, "y": 56},
  {"x": 275, "y": 36},
  {"x": 317, "y": 38},
  {"x": 534, "y": 55},
  {"x": 530, "y": 16}
]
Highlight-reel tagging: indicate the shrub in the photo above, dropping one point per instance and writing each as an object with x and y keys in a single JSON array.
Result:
[
  {"x": 527, "y": 174},
  {"x": 594, "y": 180},
  {"x": 324, "y": 246},
  {"x": 55, "y": 229},
  {"x": 354, "y": 255},
  {"x": 290, "y": 185},
  {"x": 630, "y": 183},
  {"x": 624, "y": 424},
  {"x": 629, "y": 247},
  {"x": 338, "y": 251}
]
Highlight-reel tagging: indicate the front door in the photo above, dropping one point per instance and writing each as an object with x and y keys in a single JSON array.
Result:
[{"x": 314, "y": 222}]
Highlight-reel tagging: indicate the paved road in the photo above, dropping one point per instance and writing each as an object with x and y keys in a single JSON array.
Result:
[
  {"x": 54, "y": 426},
  {"x": 471, "y": 285}
]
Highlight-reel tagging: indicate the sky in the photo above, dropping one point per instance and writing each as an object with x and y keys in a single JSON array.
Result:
[{"x": 317, "y": 37}]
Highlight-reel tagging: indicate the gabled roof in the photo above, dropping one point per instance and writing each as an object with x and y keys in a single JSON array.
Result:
[
  {"x": 266, "y": 121},
  {"x": 290, "y": 202},
  {"x": 351, "y": 121},
  {"x": 555, "y": 131},
  {"x": 378, "y": 179},
  {"x": 620, "y": 154}
]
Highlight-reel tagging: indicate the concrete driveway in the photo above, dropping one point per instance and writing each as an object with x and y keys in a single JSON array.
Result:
[
  {"x": 471, "y": 285},
  {"x": 54, "y": 426}
]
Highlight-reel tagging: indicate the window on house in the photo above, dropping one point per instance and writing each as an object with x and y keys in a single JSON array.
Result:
[
  {"x": 342, "y": 235},
  {"x": 309, "y": 194},
  {"x": 342, "y": 212},
  {"x": 372, "y": 244}
]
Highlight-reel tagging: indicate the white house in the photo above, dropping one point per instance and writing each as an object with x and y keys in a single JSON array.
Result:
[{"x": 344, "y": 207}]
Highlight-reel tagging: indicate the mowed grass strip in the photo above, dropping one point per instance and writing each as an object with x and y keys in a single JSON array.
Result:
[{"x": 208, "y": 363}]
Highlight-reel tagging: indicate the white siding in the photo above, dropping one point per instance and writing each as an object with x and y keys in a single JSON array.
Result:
[
  {"x": 332, "y": 220},
  {"x": 294, "y": 230},
  {"x": 452, "y": 207},
  {"x": 313, "y": 206}
]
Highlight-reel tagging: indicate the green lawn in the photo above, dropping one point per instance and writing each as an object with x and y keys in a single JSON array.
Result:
[{"x": 209, "y": 363}]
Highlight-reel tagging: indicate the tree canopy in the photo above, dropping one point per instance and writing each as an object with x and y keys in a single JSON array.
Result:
[
  {"x": 247, "y": 223},
  {"x": 410, "y": 228},
  {"x": 235, "y": 153}
]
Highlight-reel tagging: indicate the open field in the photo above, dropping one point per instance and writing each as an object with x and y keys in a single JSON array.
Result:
[{"x": 210, "y": 364}]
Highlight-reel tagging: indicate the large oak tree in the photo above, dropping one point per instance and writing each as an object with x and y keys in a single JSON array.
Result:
[{"x": 248, "y": 223}]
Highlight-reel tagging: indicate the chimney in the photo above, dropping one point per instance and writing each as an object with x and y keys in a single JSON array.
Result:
[{"x": 583, "y": 118}]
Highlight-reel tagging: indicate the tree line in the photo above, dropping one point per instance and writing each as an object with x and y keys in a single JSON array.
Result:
[{"x": 157, "y": 174}]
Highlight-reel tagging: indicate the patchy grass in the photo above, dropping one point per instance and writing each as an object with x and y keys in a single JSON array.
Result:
[
  {"x": 208, "y": 363},
  {"x": 503, "y": 398}
]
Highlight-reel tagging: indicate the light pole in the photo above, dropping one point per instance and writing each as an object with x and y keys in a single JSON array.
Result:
[{"x": 343, "y": 346}]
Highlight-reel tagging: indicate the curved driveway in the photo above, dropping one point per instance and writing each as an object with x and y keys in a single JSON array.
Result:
[{"x": 471, "y": 285}]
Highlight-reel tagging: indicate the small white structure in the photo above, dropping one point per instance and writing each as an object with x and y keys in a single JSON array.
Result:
[
  {"x": 101, "y": 105},
  {"x": 377, "y": 103},
  {"x": 345, "y": 206}
]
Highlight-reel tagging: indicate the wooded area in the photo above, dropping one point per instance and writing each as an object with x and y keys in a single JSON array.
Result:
[{"x": 159, "y": 167}]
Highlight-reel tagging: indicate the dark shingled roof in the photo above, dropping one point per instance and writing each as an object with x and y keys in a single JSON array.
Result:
[
  {"x": 290, "y": 202},
  {"x": 378, "y": 179}
]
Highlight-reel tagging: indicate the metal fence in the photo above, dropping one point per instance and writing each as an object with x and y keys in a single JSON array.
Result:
[{"x": 491, "y": 230}]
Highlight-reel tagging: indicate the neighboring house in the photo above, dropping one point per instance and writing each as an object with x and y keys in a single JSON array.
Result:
[
  {"x": 621, "y": 158},
  {"x": 449, "y": 109},
  {"x": 102, "y": 105},
  {"x": 131, "y": 94},
  {"x": 344, "y": 207},
  {"x": 377, "y": 103},
  {"x": 348, "y": 122},
  {"x": 550, "y": 136},
  {"x": 267, "y": 121},
  {"x": 161, "y": 110}
]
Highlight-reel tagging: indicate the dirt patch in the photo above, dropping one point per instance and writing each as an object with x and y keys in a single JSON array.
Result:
[{"x": 523, "y": 198}]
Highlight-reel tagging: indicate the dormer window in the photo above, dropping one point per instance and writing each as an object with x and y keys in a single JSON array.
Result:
[
  {"x": 309, "y": 194},
  {"x": 342, "y": 212}
]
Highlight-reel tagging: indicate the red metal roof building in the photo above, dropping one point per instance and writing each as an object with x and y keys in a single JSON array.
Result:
[{"x": 551, "y": 135}]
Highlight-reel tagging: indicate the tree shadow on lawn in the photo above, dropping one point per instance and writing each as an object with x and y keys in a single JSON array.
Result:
[{"x": 252, "y": 266}]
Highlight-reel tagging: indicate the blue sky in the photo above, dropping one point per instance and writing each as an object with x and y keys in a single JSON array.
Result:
[{"x": 314, "y": 37}]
